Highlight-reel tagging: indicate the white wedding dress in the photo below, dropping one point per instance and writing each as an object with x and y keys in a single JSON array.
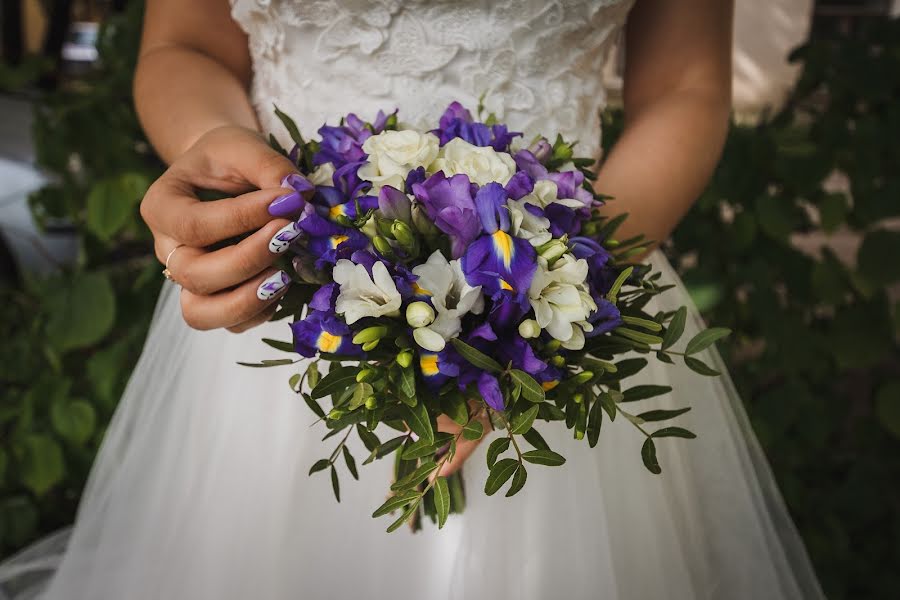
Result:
[{"x": 200, "y": 491}]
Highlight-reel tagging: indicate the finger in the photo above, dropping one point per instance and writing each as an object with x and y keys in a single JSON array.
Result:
[
  {"x": 229, "y": 309},
  {"x": 259, "y": 319},
  {"x": 172, "y": 210},
  {"x": 240, "y": 155},
  {"x": 203, "y": 272}
]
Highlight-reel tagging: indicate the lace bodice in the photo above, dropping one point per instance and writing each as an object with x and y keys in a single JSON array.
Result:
[{"x": 538, "y": 63}]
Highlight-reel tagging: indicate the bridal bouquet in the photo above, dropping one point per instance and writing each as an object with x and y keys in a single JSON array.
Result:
[{"x": 455, "y": 273}]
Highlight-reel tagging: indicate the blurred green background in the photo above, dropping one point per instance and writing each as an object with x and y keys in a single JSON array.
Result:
[{"x": 794, "y": 245}]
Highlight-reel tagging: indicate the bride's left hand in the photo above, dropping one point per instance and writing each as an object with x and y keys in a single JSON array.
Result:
[{"x": 464, "y": 447}]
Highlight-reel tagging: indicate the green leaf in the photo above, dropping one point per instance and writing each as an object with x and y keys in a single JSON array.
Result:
[
  {"x": 337, "y": 380},
  {"x": 279, "y": 345},
  {"x": 476, "y": 357},
  {"x": 705, "y": 338},
  {"x": 499, "y": 475},
  {"x": 531, "y": 389},
  {"x": 416, "y": 477},
  {"x": 319, "y": 465},
  {"x": 312, "y": 374},
  {"x": 518, "y": 481},
  {"x": 360, "y": 394},
  {"x": 396, "y": 501},
  {"x": 314, "y": 406},
  {"x": 544, "y": 457},
  {"x": 473, "y": 430},
  {"x": 609, "y": 405},
  {"x": 81, "y": 312},
  {"x": 419, "y": 421},
  {"x": 497, "y": 447},
  {"x": 351, "y": 462},
  {"x": 404, "y": 517},
  {"x": 643, "y": 323},
  {"x": 628, "y": 367},
  {"x": 269, "y": 362},
  {"x": 441, "y": 500},
  {"x": 408, "y": 382},
  {"x": 675, "y": 328},
  {"x": 873, "y": 257},
  {"x": 75, "y": 421},
  {"x": 422, "y": 448},
  {"x": 674, "y": 432},
  {"x": 642, "y": 392},
  {"x": 42, "y": 467},
  {"x": 294, "y": 382},
  {"x": 535, "y": 439},
  {"x": 662, "y": 415},
  {"x": 111, "y": 203},
  {"x": 595, "y": 420},
  {"x": 887, "y": 407},
  {"x": 648, "y": 454},
  {"x": 454, "y": 406},
  {"x": 522, "y": 422},
  {"x": 638, "y": 336},
  {"x": 291, "y": 127},
  {"x": 618, "y": 283},
  {"x": 335, "y": 484},
  {"x": 369, "y": 439},
  {"x": 389, "y": 446},
  {"x": 698, "y": 366}
]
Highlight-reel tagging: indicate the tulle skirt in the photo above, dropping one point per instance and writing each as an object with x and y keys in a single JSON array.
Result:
[{"x": 200, "y": 491}]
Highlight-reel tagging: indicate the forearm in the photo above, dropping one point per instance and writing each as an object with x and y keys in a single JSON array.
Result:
[
  {"x": 663, "y": 160},
  {"x": 180, "y": 94}
]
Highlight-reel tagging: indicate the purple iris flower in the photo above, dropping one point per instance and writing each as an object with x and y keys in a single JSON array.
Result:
[
  {"x": 507, "y": 309},
  {"x": 323, "y": 332},
  {"x": 402, "y": 276},
  {"x": 437, "y": 368},
  {"x": 601, "y": 273},
  {"x": 521, "y": 184},
  {"x": 569, "y": 185},
  {"x": 563, "y": 220},
  {"x": 325, "y": 297},
  {"x": 415, "y": 176},
  {"x": 606, "y": 318},
  {"x": 496, "y": 260},
  {"x": 457, "y": 122},
  {"x": 489, "y": 388},
  {"x": 526, "y": 161},
  {"x": 549, "y": 378},
  {"x": 448, "y": 202},
  {"x": 342, "y": 144},
  {"x": 515, "y": 349},
  {"x": 394, "y": 204},
  {"x": 328, "y": 241}
]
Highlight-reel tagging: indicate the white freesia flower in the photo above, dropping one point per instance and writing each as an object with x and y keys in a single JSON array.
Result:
[
  {"x": 362, "y": 295},
  {"x": 482, "y": 164},
  {"x": 560, "y": 299},
  {"x": 419, "y": 314},
  {"x": 451, "y": 296},
  {"x": 322, "y": 175},
  {"x": 527, "y": 226},
  {"x": 545, "y": 192},
  {"x": 393, "y": 154}
]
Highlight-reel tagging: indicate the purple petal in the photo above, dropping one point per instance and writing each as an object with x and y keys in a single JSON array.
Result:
[{"x": 489, "y": 389}]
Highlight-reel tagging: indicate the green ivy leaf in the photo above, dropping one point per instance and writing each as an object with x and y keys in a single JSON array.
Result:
[
  {"x": 476, "y": 357},
  {"x": 531, "y": 389},
  {"x": 43, "y": 463},
  {"x": 75, "y": 421},
  {"x": 499, "y": 475},
  {"x": 648, "y": 455},
  {"x": 441, "y": 501},
  {"x": 705, "y": 338},
  {"x": 544, "y": 457},
  {"x": 111, "y": 203},
  {"x": 81, "y": 311}
]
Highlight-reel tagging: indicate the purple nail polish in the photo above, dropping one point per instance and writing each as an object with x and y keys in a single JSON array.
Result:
[
  {"x": 298, "y": 182},
  {"x": 274, "y": 284},
  {"x": 286, "y": 204}
]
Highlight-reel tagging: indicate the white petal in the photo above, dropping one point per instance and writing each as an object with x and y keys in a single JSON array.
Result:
[{"x": 429, "y": 340}]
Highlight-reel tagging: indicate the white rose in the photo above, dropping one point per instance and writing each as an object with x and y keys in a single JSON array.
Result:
[
  {"x": 322, "y": 175},
  {"x": 482, "y": 164},
  {"x": 393, "y": 154}
]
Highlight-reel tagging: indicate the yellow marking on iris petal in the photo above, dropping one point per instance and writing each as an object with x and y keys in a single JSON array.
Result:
[
  {"x": 337, "y": 240},
  {"x": 429, "y": 365},
  {"x": 549, "y": 385},
  {"x": 504, "y": 245},
  {"x": 328, "y": 342},
  {"x": 338, "y": 210},
  {"x": 505, "y": 286},
  {"x": 418, "y": 290}
]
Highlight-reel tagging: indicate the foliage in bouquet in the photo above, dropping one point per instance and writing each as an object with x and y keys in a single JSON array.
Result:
[{"x": 470, "y": 278}]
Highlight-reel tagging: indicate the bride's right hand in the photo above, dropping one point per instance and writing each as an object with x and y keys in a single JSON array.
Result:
[{"x": 234, "y": 287}]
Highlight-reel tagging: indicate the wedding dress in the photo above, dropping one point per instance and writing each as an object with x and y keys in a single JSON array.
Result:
[{"x": 200, "y": 490}]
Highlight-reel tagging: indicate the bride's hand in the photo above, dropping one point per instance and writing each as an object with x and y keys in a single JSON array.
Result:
[
  {"x": 235, "y": 287},
  {"x": 464, "y": 447}
]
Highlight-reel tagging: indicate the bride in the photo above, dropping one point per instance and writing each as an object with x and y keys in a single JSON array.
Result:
[{"x": 200, "y": 490}]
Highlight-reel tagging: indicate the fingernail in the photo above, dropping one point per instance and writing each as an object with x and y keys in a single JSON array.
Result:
[
  {"x": 282, "y": 240},
  {"x": 286, "y": 204},
  {"x": 297, "y": 182},
  {"x": 274, "y": 284}
]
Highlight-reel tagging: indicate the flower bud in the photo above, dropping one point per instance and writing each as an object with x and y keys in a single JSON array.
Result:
[
  {"x": 370, "y": 345},
  {"x": 419, "y": 314},
  {"x": 422, "y": 223},
  {"x": 558, "y": 361},
  {"x": 384, "y": 228},
  {"x": 336, "y": 413},
  {"x": 370, "y": 334},
  {"x": 583, "y": 377},
  {"x": 371, "y": 403},
  {"x": 553, "y": 250},
  {"x": 403, "y": 234},
  {"x": 366, "y": 375},
  {"x": 343, "y": 220},
  {"x": 589, "y": 229},
  {"x": 383, "y": 246},
  {"x": 428, "y": 339},
  {"x": 578, "y": 398},
  {"x": 404, "y": 359},
  {"x": 541, "y": 149},
  {"x": 552, "y": 346},
  {"x": 529, "y": 329}
]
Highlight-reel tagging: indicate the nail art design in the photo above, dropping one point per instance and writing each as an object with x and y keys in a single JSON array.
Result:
[
  {"x": 282, "y": 240},
  {"x": 273, "y": 285},
  {"x": 297, "y": 182},
  {"x": 286, "y": 204}
]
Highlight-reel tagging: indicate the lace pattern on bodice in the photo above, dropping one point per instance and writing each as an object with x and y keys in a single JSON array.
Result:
[{"x": 538, "y": 64}]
